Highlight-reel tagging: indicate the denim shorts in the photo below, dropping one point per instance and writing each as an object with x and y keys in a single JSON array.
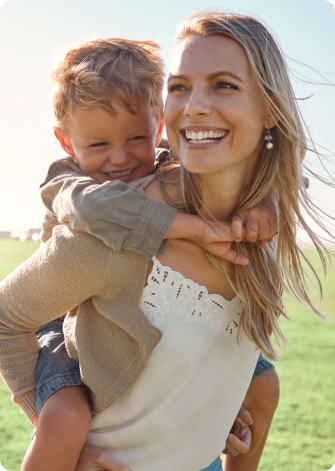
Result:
[
  {"x": 263, "y": 365},
  {"x": 57, "y": 370},
  {"x": 215, "y": 466}
]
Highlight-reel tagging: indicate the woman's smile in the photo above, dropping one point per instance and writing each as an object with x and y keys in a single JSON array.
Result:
[{"x": 201, "y": 138}]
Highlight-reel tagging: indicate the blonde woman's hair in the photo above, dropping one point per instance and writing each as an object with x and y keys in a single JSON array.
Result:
[
  {"x": 96, "y": 72},
  {"x": 269, "y": 272}
]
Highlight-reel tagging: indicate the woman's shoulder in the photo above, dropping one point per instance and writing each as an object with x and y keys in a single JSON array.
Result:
[
  {"x": 141, "y": 184},
  {"x": 163, "y": 187}
]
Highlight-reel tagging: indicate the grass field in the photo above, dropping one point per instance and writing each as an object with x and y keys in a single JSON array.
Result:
[{"x": 302, "y": 437}]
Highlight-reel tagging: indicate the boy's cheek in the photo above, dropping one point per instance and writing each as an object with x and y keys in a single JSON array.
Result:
[{"x": 147, "y": 155}]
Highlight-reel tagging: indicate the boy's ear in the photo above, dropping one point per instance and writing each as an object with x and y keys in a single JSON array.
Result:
[
  {"x": 64, "y": 142},
  {"x": 159, "y": 132}
]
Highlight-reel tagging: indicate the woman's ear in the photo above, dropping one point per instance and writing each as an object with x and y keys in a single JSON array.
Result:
[
  {"x": 64, "y": 142},
  {"x": 270, "y": 122},
  {"x": 271, "y": 118},
  {"x": 159, "y": 131}
]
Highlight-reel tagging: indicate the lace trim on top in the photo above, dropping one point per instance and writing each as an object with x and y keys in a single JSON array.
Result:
[{"x": 168, "y": 290}]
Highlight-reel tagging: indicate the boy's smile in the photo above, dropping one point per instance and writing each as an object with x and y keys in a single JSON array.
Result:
[{"x": 110, "y": 147}]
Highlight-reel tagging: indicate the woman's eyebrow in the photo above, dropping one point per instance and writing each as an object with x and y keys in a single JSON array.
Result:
[
  {"x": 224, "y": 72},
  {"x": 212, "y": 76},
  {"x": 177, "y": 76}
]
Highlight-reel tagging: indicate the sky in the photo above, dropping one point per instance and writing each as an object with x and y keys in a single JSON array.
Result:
[{"x": 35, "y": 33}]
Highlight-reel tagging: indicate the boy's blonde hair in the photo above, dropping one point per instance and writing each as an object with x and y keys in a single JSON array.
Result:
[
  {"x": 269, "y": 272},
  {"x": 97, "y": 72}
]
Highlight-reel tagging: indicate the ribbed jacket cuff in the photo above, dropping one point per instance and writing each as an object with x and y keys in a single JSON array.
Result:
[{"x": 27, "y": 402}]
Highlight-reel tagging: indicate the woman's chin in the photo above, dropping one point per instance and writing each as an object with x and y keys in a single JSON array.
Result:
[{"x": 200, "y": 166}]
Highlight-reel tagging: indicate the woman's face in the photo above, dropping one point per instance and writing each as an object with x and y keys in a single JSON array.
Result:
[{"x": 214, "y": 111}]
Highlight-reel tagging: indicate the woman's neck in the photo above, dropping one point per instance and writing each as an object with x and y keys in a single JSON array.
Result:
[{"x": 222, "y": 191}]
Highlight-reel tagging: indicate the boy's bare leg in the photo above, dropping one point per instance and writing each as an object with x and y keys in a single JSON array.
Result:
[
  {"x": 261, "y": 401},
  {"x": 62, "y": 429}
]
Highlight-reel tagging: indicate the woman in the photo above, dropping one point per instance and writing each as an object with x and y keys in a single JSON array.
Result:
[{"x": 228, "y": 85}]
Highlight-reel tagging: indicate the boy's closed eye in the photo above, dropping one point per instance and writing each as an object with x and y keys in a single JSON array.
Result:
[
  {"x": 137, "y": 138},
  {"x": 99, "y": 144}
]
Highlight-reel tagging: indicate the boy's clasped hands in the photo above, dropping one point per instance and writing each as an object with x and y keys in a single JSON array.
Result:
[{"x": 256, "y": 225}]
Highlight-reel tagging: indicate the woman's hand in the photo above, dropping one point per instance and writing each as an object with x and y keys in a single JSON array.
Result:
[
  {"x": 240, "y": 436},
  {"x": 93, "y": 458}
]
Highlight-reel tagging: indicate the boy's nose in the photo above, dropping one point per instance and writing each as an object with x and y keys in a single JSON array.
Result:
[{"x": 119, "y": 157}]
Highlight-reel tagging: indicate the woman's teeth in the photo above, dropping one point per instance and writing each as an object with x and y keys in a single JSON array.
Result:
[
  {"x": 122, "y": 173},
  {"x": 203, "y": 137}
]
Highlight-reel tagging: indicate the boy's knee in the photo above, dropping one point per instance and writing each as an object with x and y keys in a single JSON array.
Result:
[
  {"x": 68, "y": 406},
  {"x": 272, "y": 389},
  {"x": 264, "y": 391}
]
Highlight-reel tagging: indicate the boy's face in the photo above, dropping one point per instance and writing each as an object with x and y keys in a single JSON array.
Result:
[{"x": 113, "y": 147}]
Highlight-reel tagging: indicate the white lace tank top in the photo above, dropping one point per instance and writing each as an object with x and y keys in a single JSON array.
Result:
[{"x": 179, "y": 412}]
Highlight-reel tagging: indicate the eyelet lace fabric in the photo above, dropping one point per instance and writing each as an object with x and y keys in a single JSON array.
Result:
[{"x": 168, "y": 290}]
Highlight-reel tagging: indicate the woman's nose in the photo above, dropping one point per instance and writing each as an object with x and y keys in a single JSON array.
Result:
[{"x": 197, "y": 105}]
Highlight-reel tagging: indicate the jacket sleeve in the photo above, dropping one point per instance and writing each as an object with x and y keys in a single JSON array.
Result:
[
  {"x": 63, "y": 273},
  {"x": 112, "y": 212}
]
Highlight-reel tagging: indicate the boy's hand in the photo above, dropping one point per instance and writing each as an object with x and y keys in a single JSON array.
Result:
[
  {"x": 216, "y": 240},
  {"x": 240, "y": 436},
  {"x": 93, "y": 458},
  {"x": 259, "y": 223}
]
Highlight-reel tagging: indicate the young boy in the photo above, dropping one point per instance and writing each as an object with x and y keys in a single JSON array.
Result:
[{"x": 108, "y": 107}]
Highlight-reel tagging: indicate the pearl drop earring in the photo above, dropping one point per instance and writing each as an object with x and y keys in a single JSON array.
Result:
[{"x": 268, "y": 138}]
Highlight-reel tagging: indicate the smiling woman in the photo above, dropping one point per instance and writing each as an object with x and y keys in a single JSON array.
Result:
[
  {"x": 229, "y": 76},
  {"x": 228, "y": 86},
  {"x": 212, "y": 92}
]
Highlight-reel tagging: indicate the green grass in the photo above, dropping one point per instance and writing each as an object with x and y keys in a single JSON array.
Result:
[
  {"x": 302, "y": 436},
  {"x": 15, "y": 429}
]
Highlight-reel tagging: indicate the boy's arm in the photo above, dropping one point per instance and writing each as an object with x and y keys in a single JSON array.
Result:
[
  {"x": 59, "y": 276},
  {"x": 119, "y": 216},
  {"x": 123, "y": 218}
]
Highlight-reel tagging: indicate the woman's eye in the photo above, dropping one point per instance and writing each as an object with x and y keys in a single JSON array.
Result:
[
  {"x": 223, "y": 85},
  {"x": 99, "y": 144},
  {"x": 176, "y": 87}
]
